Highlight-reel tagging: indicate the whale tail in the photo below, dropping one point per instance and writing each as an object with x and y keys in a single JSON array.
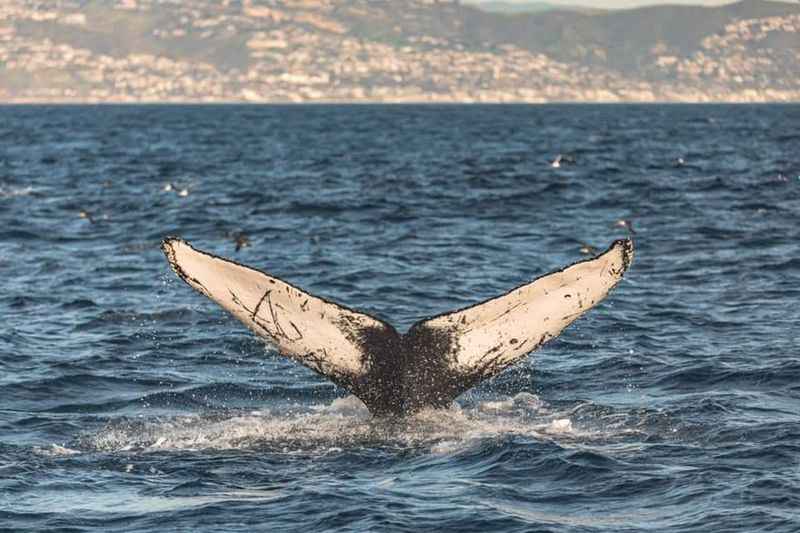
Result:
[{"x": 436, "y": 360}]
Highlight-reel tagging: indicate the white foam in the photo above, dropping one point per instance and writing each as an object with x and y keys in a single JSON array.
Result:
[
  {"x": 345, "y": 424},
  {"x": 561, "y": 425},
  {"x": 55, "y": 450},
  {"x": 11, "y": 192}
]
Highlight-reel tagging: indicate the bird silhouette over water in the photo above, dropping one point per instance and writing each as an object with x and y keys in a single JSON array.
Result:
[
  {"x": 86, "y": 215},
  {"x": 241, "y": 240},
  {"x": 562, "y": 159},
  {"x": 627, "y": 224},
  {"x": 171, "y": 187}
]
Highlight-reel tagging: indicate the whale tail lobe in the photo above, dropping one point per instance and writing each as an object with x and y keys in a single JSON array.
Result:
[{"x": 436, "y": 360}]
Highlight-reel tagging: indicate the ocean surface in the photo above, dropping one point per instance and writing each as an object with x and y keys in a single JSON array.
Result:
[{"x": 129, "y": 402}]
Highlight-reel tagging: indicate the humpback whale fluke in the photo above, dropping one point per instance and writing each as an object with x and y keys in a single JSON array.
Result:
[{"x": 438, "y": 358}]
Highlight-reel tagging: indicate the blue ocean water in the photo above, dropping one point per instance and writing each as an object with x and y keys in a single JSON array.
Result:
[{"x": 128, "y": 402}]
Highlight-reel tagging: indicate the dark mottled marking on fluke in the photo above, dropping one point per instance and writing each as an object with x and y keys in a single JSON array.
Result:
[
  {"x": 170, "y": 253},
  {"x": 627, "y": 252},
  {"x": 405, "y": 373}
]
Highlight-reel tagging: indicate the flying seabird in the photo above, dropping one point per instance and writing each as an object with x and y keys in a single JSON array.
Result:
[
  {"x": 87, "y": 215},
  {"x": 627, "y": 224}
]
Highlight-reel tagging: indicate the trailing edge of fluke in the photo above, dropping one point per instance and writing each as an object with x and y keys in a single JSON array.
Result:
[{"x": 396, "y": 374}]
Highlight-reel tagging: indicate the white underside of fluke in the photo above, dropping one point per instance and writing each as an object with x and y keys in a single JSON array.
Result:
[
  {"x": 474, "y": 343},
  {"x": 301, "y": 325},
  {"x": 500, "y": 331}
]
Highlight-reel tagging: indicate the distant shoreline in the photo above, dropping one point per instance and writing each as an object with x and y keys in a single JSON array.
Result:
[
  {"x": 36, "y": 102},
  {"x": 400, "y": 52}
]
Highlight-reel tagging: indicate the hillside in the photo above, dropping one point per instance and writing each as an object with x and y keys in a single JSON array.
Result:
[
  {"x": 513, "y": 8},
  {"x": 403, "y": 50}
]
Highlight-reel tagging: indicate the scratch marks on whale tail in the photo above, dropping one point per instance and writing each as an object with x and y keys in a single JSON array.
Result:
[
  {"x": 438, "y": 359},
  {"x": 490, "y": 336},
  {"x": 320, "y": 334}
]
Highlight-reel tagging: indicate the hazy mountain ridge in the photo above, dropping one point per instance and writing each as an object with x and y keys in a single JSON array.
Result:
[
  {"x": 499, "y": 6},
  {"x": 513, "y": 8},
  {"x": 410, "y": 50}
]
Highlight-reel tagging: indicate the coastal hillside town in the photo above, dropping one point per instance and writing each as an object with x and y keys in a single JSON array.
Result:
[{"x": 393, "y": 51}]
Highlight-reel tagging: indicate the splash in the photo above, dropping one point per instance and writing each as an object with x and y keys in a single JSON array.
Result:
[{"x": 347, "y": 424}]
